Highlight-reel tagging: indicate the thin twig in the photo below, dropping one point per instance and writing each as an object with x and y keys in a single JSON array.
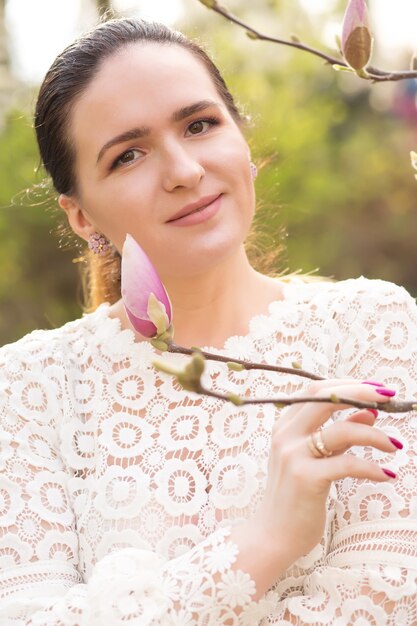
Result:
[
  {"x": 194, "y": 384},
  {"x": 388, "y": 407},
  {"x": 371, "y": 73},
  {"x": 246, "y": 365}
]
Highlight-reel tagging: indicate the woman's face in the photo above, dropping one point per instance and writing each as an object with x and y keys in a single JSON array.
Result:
[{"x": 152, "y": 136}]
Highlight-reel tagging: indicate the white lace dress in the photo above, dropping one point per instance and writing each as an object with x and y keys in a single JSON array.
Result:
[{"x": 118, "y": 489}]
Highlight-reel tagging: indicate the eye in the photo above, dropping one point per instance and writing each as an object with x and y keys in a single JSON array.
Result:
[
  {"x": 127, "y": 157},
  {"x": 200, "y": 127}
]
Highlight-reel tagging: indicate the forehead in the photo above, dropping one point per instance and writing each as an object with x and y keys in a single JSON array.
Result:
[
  {"x": 140, "y": 84},
  {"x": 151, "y": 62}
]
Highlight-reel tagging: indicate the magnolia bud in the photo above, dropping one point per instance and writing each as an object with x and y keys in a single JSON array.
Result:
[
  {"x": 356, "y": 36},
  {"x": 413, "y": 156},
  {"x": 160, "y": 345},
  {"x": 235, "y": 367},
  {"x": 234, "y": 399},
  {"x": 196, "y": 366}
]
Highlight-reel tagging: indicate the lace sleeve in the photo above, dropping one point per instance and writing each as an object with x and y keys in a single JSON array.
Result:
[
  {"x": 368, "y": 574},
  {"x": 40, "y": 582}
]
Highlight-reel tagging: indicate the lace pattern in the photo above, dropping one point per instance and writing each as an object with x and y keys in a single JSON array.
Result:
[{"x": 118, "y": 489}]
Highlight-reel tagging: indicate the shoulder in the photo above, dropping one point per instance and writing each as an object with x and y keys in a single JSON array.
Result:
[
  {"x": 372, "y": 298},
  {"x": 39, "y": 350},
  {"x": 34, "y": 371},
  {"x": 360, "y": 292}
]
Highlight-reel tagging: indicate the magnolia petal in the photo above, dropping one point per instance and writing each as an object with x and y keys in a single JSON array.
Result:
[
  {"x": 358, "y": 48},
  {"x": 139, "y": 280},
  {"x": 143, "y": 327},
  {"x": 356, "y": 35},
  {"x": 356, "y": 14},
  {"x": 157, "y": 314}
]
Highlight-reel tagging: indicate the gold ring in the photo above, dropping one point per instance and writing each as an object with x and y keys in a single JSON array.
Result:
[{"x": 316, "y": 445}]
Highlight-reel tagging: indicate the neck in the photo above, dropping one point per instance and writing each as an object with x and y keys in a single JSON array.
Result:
[{"x": 208, "y": 308}]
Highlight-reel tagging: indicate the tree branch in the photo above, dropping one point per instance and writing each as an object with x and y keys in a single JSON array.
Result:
[
  {"x": 388, "y": 407},
  {"x": 190, "y": 379},
  {"x": 374, "y": 74},
  {"x": 243, "y": 365}
]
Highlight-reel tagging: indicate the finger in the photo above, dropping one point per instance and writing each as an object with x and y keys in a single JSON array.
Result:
[
  {"x": 364, "y": 416},
  {"x": 364, "y": 392},
  {"x": 311, "y": 390},
  {"x": 316, "y": 386},
  {"x": 344, "y": 435},
  {"x": 313, "y": 415},
  {"x": 338, "y": 387},
  {"x": 347, "y": 465}
]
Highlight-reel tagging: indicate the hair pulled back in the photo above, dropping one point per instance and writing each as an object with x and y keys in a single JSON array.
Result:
[{"x": 68, "y": 77}]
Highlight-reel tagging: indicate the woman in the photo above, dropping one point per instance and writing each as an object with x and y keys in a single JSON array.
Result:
[{"x": 127, "y": 500}]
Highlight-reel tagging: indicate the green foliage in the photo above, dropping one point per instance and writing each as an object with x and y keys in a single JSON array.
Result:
[{"x": 37, "y": 281}]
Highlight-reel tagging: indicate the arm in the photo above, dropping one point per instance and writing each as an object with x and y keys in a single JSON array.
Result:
[
  {"x": 378, "y": 523},
  {"x": 369, "y": 569},
  {"x": 39, "y": 578}
]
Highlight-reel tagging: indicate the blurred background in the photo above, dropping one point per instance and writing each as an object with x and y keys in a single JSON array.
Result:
[{"x": 335, "y": 188}]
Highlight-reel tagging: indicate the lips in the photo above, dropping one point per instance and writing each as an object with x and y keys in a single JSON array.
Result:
[{"x": 194, "y": 206}]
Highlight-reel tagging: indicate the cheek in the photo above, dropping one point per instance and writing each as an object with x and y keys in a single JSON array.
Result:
[
  {"x": 233, "y": 152},
  {"x": 232, "y": 161},
  {"x": 116, "y": 206},
  {"x": 235, "y": 164}
]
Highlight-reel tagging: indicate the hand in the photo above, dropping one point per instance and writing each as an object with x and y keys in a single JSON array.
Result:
[{"x": 293, "y": 512}]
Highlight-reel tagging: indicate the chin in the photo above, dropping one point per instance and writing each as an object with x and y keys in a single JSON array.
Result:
[{"x": 197, "y": 261}]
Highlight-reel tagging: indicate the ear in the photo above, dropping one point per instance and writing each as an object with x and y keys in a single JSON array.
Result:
[{"x": 76, "y": 215}]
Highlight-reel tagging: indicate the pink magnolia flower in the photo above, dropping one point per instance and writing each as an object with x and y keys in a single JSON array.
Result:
[
  {"x": 144, "y": 296},
  {"x": 356, "y": 35}
]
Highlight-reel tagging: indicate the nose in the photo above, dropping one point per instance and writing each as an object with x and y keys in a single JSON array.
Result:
[{"x": 181, "y": 168}]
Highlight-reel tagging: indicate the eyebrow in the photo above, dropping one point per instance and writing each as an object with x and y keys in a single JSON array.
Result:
[{"x": 143, "y": 131}]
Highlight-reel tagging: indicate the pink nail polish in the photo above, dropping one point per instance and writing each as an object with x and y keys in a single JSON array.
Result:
[
  {"x": 373, "y": 411},
  {"x": 389, "y": 473},
  {"x": 371, "y": 382},
  {"x": 396, "y": 443},
  {"x": 389, "y": 393}
]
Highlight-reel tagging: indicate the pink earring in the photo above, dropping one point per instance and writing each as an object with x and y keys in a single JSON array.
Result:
[
  {"x": 253, "y": 170},
  {"x": 98, "y": 243}
]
